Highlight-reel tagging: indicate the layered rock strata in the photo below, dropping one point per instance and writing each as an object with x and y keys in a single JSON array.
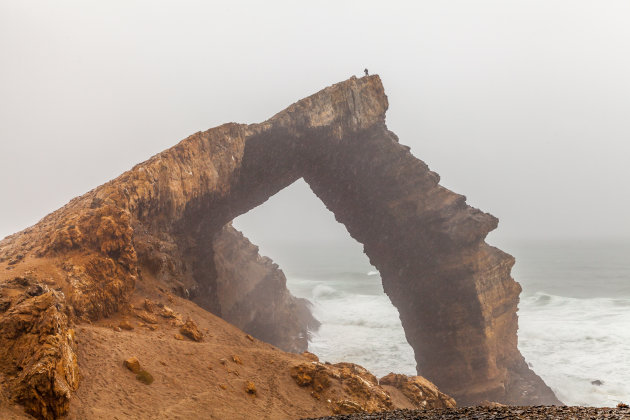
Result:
[{"x": 164, "y": 224}]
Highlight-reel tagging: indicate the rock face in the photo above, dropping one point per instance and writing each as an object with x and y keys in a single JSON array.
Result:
[
  {"x": 253, "y": 294},
  {"x": 165, "y": 224},
  {"x": 37, "y": 347}
]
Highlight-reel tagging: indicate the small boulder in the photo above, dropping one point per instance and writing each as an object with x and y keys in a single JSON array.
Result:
[
  {"x": 147, "y": 317},
  {"x": 167, "y": 312},
  {"x": 133, "y": 364},
  {"x": 250, "y": 388},
  {"x": 190, "y": 330},
  {"x": 237, "y": 359}
]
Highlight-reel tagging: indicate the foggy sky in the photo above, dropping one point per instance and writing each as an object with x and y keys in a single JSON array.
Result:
[{"x": 522, "y": 106}]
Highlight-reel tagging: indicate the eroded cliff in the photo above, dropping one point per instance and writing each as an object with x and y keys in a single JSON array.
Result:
[
  {"x": 253, "y": 295},
  {"x": 164, "y": 225}
]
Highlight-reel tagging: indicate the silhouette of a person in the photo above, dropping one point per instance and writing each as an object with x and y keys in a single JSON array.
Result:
[{"x": 366, "y": 72}]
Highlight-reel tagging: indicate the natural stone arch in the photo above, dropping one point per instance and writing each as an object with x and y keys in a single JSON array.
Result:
[
  {"x": 168, "y": 220},
  {"x": 456, "y": 299}
]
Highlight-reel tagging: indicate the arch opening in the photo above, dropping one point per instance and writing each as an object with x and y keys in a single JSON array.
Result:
[{"x": 324, "y": 265}]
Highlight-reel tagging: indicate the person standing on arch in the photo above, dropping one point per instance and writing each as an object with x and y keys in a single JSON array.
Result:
[{"x": 366, "y": 72}]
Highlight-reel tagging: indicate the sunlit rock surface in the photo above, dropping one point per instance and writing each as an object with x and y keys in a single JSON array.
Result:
[{"x": 165, "y": 225}]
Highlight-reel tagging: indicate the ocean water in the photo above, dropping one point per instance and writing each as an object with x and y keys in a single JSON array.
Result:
[
  {"x": 574, "y": 314},
  {"x": 574, "y": 318}
]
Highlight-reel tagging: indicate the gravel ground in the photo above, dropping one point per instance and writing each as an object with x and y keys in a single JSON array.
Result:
[{"x": 479, "y": 412}]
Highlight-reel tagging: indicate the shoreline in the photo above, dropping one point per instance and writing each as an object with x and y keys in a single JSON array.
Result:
[{"x": 491, "y": 413}]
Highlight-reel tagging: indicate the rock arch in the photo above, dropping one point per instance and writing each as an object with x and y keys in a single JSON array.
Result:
[
  {"x": 169, "y": 218},
  {"x": 456, "y": 299}
]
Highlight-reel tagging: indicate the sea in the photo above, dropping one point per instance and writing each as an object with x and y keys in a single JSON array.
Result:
[{"x": 574, "y": 312}]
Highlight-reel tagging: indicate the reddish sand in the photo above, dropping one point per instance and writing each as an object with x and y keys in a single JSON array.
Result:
[{"x": 192, "y": 380}]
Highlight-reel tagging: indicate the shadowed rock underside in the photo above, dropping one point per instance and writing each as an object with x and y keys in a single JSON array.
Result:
[{"x": 166, "y": 224}]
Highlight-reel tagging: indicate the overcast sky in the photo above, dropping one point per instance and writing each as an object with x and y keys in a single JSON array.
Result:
[{"x": 522, "y": 106}]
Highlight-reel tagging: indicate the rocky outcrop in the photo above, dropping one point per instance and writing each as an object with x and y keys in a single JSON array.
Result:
[
  {"x": 37, "y": 347},
  {"x": 162, "y": 225},
  {"x": 253, "y": 294},
  {"x": 421, "y": 392},
  {"x": 349, "y": 388}
]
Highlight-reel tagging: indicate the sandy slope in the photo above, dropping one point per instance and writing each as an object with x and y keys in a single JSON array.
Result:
[
  {"x": 188, "y": 375},
  {"x": 192, "y": 380}
]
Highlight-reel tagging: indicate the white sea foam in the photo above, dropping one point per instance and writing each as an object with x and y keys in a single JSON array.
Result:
[
  {"x": 322, "y": 291},
  {"x": 358, "y": 327},
  {"x": 573, "y": 342}
]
